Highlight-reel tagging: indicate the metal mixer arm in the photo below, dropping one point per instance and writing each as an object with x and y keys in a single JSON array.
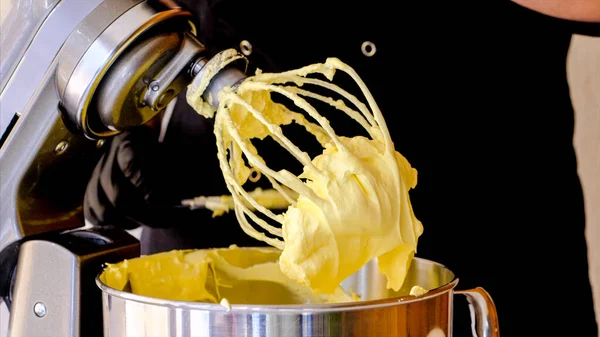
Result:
[
  {"x": 175, "y": 75},
  {"x": 44, "y": 170}
]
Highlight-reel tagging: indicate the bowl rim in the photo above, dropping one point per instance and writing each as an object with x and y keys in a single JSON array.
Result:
[{"x": 281, "y": 308}]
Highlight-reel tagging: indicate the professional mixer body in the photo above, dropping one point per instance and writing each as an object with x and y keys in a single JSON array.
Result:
[{"x": 91, "y": 70}]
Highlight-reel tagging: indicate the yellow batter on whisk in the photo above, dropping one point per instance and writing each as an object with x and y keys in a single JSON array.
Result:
[{"x": 351, "y": 203}]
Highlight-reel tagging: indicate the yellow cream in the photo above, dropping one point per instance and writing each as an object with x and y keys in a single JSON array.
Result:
[
  {"x": 361, "y": 212},
  {"x": 352, "y": 203},
  {"x": 226, "y": 275},
  {"x": 220, "y": 205},
  {"x": 418, "y": 291},
  {"x": 165, "y": 275},
  {"x": 225, "y": 303}
]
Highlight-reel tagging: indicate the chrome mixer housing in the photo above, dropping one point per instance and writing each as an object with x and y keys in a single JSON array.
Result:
[{"x": 91, "y": 69}]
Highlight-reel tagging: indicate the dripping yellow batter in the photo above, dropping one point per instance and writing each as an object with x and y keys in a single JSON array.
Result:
[
  {"x": 354, "y": 204},
  {"x": 268, "y": 198}
]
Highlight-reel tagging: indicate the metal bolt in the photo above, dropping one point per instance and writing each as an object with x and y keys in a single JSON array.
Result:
[
  {"x": 197, "y": 66},
  {"x": 246, "y": 47},
  {"x": 254, "y": 175},
  {"x": 39, "y": 309},
  {"x": 61, "y": 147},
  {"x": 100, "y": 143},
  {"x": 368, "y": 48},
  {"x": 154, "y": 86}
]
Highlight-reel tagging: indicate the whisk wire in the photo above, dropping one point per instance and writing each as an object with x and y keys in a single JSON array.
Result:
[
  {"x": 240, "y": 208},
  {"x": 389, "y": 145},
  {"x": 300, "y": 102},
  {"x": 360, "y": 105},
  {"x": 294, "y": 183},
  {"x": 368, "y": 116}
]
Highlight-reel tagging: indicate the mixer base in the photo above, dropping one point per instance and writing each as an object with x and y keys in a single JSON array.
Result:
[{"x": 54, "y": 292}]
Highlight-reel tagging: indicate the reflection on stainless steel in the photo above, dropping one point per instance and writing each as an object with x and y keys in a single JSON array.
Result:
[
  {"x": 381, "y": 313},
  {"x": 175, "y": 75},
  {"x": 58, "y": 297},
  {"x": 128, "y": 29},
  {"x": 27, "y": 64},
  {"x": 483, "y": 311},
  {"x": 119, "y": 97},
  {"x": 228, "y": 76},
  {"x": 85, "y": 34}
]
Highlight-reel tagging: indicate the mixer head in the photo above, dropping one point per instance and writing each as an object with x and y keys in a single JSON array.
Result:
[
  {"x": 129, "y": 71},
  {"x": 116, "y": 64}
]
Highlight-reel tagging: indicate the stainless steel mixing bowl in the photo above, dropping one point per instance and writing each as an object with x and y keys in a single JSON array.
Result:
[{"x": 381, "y": 313}]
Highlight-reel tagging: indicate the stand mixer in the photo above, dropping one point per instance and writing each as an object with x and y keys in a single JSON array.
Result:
[
  {"x": 91, "y": 70},
  {"x": 88, "y": 71}
]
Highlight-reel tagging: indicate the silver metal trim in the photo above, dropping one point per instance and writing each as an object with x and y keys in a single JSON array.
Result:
[
  {"x": 36, "y": 60},
  {"x": 9, "y": 71},
  {"x": 58, "y": 289},
  {"x": 101, "y": 54},
  {"x": 85, "y": 34}
]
